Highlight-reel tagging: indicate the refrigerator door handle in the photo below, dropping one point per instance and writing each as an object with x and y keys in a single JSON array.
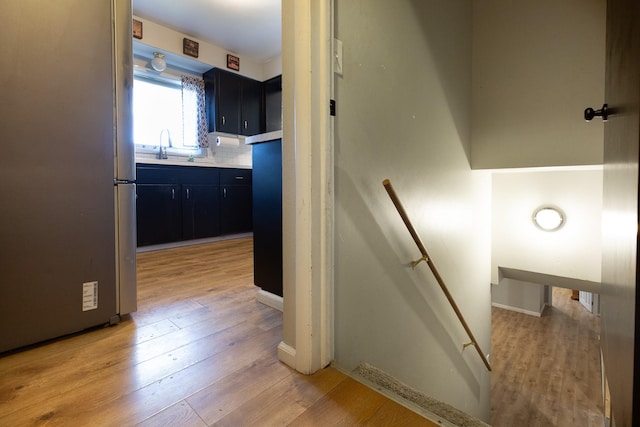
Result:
[{"x": 123, "y": 181}]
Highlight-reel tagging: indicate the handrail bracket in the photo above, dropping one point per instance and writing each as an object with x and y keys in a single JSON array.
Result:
[{"x": 415, "y": 263}]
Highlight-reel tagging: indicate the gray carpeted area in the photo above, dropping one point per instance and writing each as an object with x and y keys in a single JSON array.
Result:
[{"x": 442, "y": 410}]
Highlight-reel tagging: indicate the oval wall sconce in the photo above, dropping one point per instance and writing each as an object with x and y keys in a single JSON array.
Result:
[{"x": 548, "y": 218}]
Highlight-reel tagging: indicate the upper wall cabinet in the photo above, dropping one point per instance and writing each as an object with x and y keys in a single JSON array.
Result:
[
  {"x": 273, "y": 104},
  {"x": 234, "y": 103},
  {"x": 251, "y": 107},
  {"x": 536, "y": 67}
]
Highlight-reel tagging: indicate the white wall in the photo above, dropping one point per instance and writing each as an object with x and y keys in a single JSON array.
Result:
[
  {"x": 403, "y": 113},
  {"x": 169, "y": 42},
  {"x": 536, "y": 66},
  {"x": 572, "y": 251}
]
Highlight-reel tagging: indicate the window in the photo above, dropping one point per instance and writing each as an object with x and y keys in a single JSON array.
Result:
[{"x": 168, "y": 112}]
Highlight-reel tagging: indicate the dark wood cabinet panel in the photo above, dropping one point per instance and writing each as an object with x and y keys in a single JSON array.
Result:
[
  {"x": 200, "y": 211},
  {"x": 234, "y": 103},
  {"x": 236, "y": 209},
  {"x": 235, "y": 176},
  {"x": 273, "y": 104},
  {"x": 158, "y": 214},
  {"x": 176, "y": 203},
  {"x": 236, "y": 204},
  {"x": 267, "y": 216},
  {"x": 228, "y": 97},
  {"x": 251, "y": 110}
]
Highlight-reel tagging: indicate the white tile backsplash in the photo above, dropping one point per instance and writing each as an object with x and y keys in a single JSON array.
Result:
[
  {"x": 240, "y": 155},
  {"x": 224, "y": 156}
]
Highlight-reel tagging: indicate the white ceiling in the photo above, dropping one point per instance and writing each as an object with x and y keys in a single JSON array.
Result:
[{"x": 244, "y": 27}]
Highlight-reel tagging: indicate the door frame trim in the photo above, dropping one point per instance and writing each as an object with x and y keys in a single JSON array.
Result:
[{"x": 307, "y": 199}]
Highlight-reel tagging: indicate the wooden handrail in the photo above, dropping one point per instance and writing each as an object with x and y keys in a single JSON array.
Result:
[{"x": 427, "y": 259}]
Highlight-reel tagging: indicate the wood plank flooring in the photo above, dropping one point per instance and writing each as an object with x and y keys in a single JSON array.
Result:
[
  {"x": 546, "y": 371},
  {"x": 200, "y": 351}
]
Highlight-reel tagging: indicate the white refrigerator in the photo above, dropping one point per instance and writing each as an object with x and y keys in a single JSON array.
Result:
[{"x": 67, "y": 168}]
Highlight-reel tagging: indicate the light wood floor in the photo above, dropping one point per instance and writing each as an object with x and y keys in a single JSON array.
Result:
[
  {"x": 546, "y": 371},
  {"x": 200, "y": 351}
]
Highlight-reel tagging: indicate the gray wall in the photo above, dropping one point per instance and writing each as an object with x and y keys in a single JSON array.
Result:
[
  {"x": 403, "y": 113},
  {"x": 524, "y": 297},
  {"x": 536, "y": 66}
]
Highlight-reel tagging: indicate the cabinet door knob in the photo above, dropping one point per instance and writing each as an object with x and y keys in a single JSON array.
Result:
[
  {"x": 187, "y": 194},
  {"x": 173, "y": 193},
  {"x": 224, "y": 120},
  {"x": 224, "y": 192},
  {"x": 246, "y": 124},
  {"x": 590, "y": 113}
]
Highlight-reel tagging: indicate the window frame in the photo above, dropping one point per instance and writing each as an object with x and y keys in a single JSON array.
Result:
[{"x": 168, "y": 80}]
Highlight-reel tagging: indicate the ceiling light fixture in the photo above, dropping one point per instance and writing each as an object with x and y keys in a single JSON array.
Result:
[
  {"x": 548, "y": 218},
  {"x": 158, "y": 63}
]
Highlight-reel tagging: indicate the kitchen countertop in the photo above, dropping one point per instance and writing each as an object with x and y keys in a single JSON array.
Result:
[
  {"x": 263, "y": 137},
  {"x": 182, "y": 161}
]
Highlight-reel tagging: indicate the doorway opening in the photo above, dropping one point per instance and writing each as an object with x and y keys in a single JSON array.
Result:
[{"x": 546, "y": 370}]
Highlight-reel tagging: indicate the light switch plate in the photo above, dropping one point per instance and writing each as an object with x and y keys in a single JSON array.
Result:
[{"x": 337, "y": 52}]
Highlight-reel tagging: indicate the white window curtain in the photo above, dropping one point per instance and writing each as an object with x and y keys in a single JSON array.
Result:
[{"x": 194, "y": 122}]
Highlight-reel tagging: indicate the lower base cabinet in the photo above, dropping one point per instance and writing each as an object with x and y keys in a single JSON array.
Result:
[
  {"x": 176, "y": 203},
  {"x": 158, "y": 212},
  {"x": 200, "y": 211},
  {"x": 236, "y": 205}
]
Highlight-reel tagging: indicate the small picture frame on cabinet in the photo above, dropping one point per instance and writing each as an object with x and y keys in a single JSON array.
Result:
[
  {"x": 137, "y": 29},
  {"x": 190, "y": 47},
  {"x": 233, "y": 62}
]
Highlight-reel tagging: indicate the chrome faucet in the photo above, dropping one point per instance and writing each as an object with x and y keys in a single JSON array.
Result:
[{"x": 162, "y": 151}]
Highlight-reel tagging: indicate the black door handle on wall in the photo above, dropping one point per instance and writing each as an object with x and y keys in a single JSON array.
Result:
[{"x": 590, "y": 113}]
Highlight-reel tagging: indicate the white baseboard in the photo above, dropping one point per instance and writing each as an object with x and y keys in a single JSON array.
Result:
[
  {"x": 287, "y": 354},
  {"x": 518, "y": 309},
  {"x": 272, "y": 300}
]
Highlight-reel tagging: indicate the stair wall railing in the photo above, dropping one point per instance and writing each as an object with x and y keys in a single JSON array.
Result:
[{"x": 425, "y": 257}]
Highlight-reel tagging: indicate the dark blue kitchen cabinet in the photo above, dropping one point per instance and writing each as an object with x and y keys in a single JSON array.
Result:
[
  {"x": 272, "y": 89},
  {"x": 200, "y": 211},
  {"x": 251, "y": 107},
  {"x": 158, "y": 213},
  {"x": 267, "y": 216},
  {"x": 236, "y": 201},
  {"x": 224, "y": 109},
  {"x": 234, "y": 103},
  {"x": 176, "y": 203}
]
